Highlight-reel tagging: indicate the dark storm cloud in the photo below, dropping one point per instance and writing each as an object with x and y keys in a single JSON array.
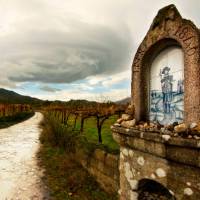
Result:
[
  {"x": 66, "y": 56},
  {"x": 47, "y": 88},
  {"x": 64, "y": 41}
]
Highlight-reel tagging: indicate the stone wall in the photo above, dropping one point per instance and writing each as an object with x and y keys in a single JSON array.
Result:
[
  {"x": 103, "y": 166},
  {"x": 170, "y": 164},
  {"x": 162, "y": 162}
]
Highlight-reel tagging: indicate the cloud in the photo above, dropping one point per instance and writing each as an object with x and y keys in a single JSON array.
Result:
[
  {"x": 85, "y": 48},
  {"x": 108, "y": 81},
  {"x": 47, "y": 88},
  {"x": 64, "y": 55},
  {"x": 117, "y": 79},
  {"x": 65, "y": 95}
]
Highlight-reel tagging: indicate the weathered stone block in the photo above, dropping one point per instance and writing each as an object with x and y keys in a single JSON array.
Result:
[
  {"x": 103, "y": 166},
  {"x": 183, "y": 155}
]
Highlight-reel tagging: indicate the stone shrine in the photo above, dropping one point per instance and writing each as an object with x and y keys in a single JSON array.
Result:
[{"x": 159, "y": 135}]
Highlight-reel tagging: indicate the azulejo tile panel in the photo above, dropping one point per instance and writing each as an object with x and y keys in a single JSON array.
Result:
[{"x": 167, "y": 87}]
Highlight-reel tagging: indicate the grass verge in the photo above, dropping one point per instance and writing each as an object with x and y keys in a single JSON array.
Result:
[{"x": 65, "y": 178}]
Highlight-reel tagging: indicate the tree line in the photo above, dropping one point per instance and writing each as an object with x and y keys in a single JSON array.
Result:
[{"x": 7, "y": 110}]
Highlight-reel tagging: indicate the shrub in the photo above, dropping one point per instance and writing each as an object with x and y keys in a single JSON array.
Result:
[{"x": 60, "y": 134}]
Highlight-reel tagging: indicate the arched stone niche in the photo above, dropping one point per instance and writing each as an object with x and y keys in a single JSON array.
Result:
[
  {"x": 150, "y": 189},
  {"x": 167, "y": 30}
]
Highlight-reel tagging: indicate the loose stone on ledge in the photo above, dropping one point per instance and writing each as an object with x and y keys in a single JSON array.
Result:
[
  {"x": 128, "y": 124},
  {"x": 166, "y": 137},
  {"x": 193, "y": 125},
  {"x": 126, "y": 117},
  {"x": 180, "y": 128},
  {"x": 117, "y": 124},
  {"x": 119, "y": 120}
]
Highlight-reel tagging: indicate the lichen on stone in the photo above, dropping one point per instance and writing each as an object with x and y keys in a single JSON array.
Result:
[
  {"x": 140, "y": 161},
  {"x": 188, "y": 191},
  {"x": 125, "y": 152},
  {"x": 130, "y": 152},
  {"x": 160, "y": 173}
]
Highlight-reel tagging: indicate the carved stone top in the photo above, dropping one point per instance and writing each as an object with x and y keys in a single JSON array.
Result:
[
  {"x": 167, "y": 13},
  {"x": 168, "y": 29}
]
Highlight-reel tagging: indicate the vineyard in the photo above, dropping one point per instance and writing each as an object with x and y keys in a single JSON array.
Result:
[
  {"x": 13, "y": 113},
  {"x": 72, "y": 133},
  {"x": 91, "y": 122}
]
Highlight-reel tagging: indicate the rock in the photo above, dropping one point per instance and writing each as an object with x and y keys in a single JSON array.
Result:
[
  {"x": 193, "y": 125},
  {"x": 117, "y": 124},
  {"x": 151, "y": 129},
  {"x": 196, "y": 128},
  {"x": 130, "y": 110},
  {"x": 167, "y": 132},
  {"x": 141, "y": 127},
  {"x": 166, "y": 137},
  {"x": 162, "y": 130},
  {"x": 146, "y": 125},
  {"x": 193, "y": 132},
  {"x": 119, "y": 121},
  {"x": 180, "y": 128},
  {"x": 152, "y": 125},
  {"x": 128, "y": 124},
  {"x": 175, "y": 124},
  {"x": 159, "y": 126},
  {"x": 126, "y": 117},
  {"x": 189, "y": 136},
  {"x": 196, "y": 137},
  {"x": 170, "y": 127}
]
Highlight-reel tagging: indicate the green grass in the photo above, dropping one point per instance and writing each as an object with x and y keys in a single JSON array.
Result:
[
  {"x": 11, "y": 120},
  {"x": 90, "y": 131}
]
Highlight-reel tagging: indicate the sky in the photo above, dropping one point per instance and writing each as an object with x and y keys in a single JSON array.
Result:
[{"x": 80, "y": 49}]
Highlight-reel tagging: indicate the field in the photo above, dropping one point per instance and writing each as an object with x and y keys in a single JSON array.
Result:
[
  {"x": 90, "y": 132},
  {"x": 11, "y": 114}
]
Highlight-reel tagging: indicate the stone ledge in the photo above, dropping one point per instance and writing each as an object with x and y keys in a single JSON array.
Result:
[
  {"x": 157, "y": 137},
  {"x": 180, "y": 150}
]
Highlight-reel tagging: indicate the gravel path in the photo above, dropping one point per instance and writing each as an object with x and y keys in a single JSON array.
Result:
[{"x": 20, "y": 176}]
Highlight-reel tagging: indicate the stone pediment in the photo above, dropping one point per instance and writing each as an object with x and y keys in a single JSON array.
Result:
[{"x": 165, "y": 14}]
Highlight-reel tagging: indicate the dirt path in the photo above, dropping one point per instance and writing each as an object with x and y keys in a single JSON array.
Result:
[{"x": 20, "y": 177}]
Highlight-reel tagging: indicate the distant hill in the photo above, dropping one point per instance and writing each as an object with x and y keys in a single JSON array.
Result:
[
  {"x": 7, "y": 96},
  {"x": 124, "y": 101}
]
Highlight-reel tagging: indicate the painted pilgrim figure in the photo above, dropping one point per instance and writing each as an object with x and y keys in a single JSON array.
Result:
[{"x": 166, "y": 85}]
